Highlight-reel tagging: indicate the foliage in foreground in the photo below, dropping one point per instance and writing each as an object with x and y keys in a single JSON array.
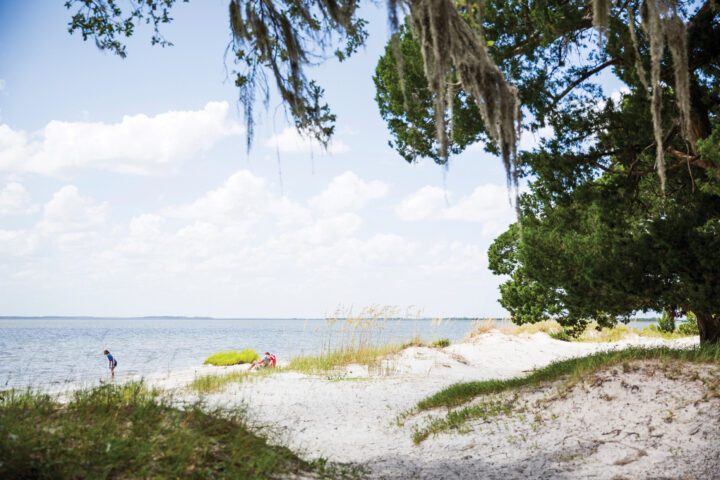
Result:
[
  {"x": 128, "y": 431},
  {"x": 232, "y": 357},
  {"x": 573, "y": 369}
]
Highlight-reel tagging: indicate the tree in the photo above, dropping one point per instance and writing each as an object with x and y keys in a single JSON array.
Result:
[{"x": 600, "y": 235}]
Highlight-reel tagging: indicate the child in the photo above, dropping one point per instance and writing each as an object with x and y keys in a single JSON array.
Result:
[
  {"x": 268, "y": 360},
  {"x": 113, "y": 363}
]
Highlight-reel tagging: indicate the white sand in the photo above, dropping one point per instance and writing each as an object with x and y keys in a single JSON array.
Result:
[{"x": 640, "y": 423}]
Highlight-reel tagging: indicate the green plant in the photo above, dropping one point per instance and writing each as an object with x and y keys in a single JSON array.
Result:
[
  {"x": 561, "y": 335},
  {"x": 232, "y": 357},
  {"x": 689, "y": 328},
  {"x": 130, "y": 431},
  {"x": 666, "y": 323},
  {"x": 441, "y": 343}
]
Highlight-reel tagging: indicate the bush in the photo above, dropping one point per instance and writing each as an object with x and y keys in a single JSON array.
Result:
[
  {"x": 441, "y": 343},
  {"x": 232, "y": 357},
  {"x": 690, "y": 327},
  {"x": 666, "y": 323},
  {"x": 561, "y": 335}
]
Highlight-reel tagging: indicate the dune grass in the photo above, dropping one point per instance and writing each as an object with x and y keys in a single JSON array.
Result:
[
  {"x": 214, "y": 383},
  {"x": 590, "y": 334},
  {"x": 575, "y": 368},
  {"x": 232, "y": 357},
  {"x": 460, "y": 393},
  {"x": 361, "y": 338},
  {"x": 129, "y": 431}
]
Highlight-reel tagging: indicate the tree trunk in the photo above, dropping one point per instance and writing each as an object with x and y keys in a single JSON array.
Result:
[{"x": 709, "y": 328}]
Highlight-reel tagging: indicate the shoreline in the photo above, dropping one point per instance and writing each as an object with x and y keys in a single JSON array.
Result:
[{"x": 354, "y": 416}]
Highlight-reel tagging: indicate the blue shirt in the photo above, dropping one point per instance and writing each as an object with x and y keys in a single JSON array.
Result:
[{"x": 110, "y": 358}]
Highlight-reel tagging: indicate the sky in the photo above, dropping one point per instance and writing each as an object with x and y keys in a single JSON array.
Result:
[{"x": 126, "y": 188}]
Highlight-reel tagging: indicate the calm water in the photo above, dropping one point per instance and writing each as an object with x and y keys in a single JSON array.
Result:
[
  {"x": 45, "y": 352},
  {"x": 52, "y": 352}
]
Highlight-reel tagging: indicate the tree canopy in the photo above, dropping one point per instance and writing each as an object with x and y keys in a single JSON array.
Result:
[{"x": 599, "y": 235}]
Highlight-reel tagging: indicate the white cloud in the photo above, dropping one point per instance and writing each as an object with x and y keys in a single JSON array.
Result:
[
  {"x": 290, "y": 141},
  {"x": 348, "y": 192},
  {"x": 2, "y": 84},
  {"x": 241, "y": 248},
  {"x": 14, "y": 198},
  {"x": 488, "y": 205},
  {"x": 138, "y": 144},
  {"x": 68, "y": 212}
]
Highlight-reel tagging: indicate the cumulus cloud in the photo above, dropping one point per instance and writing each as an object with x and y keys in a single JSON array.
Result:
[
  {"x": 291, "y": 141},
  {"x": 348, "y": 192},
  {"x": 69, "y": 212},
  {"x": 487, "y": 205},
  {"x": 138, "y": 144},
  {"x": 14, "y": 198},
  {"x": 240, "y": 243}
]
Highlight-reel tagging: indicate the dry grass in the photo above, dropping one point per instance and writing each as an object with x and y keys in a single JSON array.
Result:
[
  {"x": 555, "y": 330},
  {"x": 361, "y": 338}
]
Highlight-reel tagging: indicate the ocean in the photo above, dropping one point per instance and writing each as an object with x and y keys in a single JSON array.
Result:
[{"x": 47, "y": 352}]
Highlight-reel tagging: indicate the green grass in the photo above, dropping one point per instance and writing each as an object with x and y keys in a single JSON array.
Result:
[
  {"x": 576, "y": 368},
  {"x": 218, "y": 382},
  {"x": 441, "y": 343},
  {"x": 460, "y": 393},
  {"x": 329, "y": 360},
  {"x": 232, "y": 357},
  {"x": 128, "y": 431}
]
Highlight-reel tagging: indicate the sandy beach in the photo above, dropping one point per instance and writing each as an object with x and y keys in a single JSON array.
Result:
[{"x": 635, "y": 421}]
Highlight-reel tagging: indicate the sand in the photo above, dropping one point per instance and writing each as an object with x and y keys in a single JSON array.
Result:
[{"x": 647, "y": 421}]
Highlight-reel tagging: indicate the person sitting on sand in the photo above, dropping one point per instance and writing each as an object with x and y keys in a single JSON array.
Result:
[
  {"x": 113, "y": 363},
  {"x": 268, "y": 360}
]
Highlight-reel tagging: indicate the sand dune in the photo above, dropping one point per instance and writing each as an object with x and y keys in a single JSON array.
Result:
[{"x": 648, "y": 421}]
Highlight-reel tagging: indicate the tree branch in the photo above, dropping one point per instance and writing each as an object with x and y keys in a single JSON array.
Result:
[{"x": 583, "y": 77}]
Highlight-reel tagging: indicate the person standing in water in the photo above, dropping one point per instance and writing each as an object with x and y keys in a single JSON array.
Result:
[{"x": 113, "y": 363}]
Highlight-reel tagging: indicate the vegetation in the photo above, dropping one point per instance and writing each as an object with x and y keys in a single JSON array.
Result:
[
  {"x": 441, "y": 343},
  {"x": 216, "y": 383},
  {"x": 232, "y": 357},
  {"x": 129, "y": 431},
  {"x": 591, "y": 333},
  {"x": 573, "y": 369}
]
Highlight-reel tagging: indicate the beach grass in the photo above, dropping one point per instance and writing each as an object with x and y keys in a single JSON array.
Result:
[
  {"x": 591, "y": 333},
  {"x": 573, "y": 369},
  {"x": 214, "y": 383},
  {"x": 361, "y": 338},
  {"x": 232, "y": 357},
  {"x": 130, "y": 431}
]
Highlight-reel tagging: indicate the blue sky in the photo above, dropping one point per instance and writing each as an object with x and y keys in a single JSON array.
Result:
[{"x": 126, "y": 189}]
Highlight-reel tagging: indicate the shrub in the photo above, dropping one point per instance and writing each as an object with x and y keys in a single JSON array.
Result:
[
  {"x": 232, "y": 357},
  {"x": 561, "y": 335},
  {"x": 441, "y": 343},
  {"x": 690, "y": 327},
  {"x": 666, "y": 323}
]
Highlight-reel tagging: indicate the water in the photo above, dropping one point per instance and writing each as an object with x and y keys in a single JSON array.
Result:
[{"x": 55, "y": 351}]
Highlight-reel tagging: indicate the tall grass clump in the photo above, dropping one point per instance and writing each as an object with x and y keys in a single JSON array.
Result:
[
  {"x": 232, "y": 357},
  {"x": 351, "y": 338},
  {"x": 361, "y": 338},
  {"x": 130, "y": 431}
]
